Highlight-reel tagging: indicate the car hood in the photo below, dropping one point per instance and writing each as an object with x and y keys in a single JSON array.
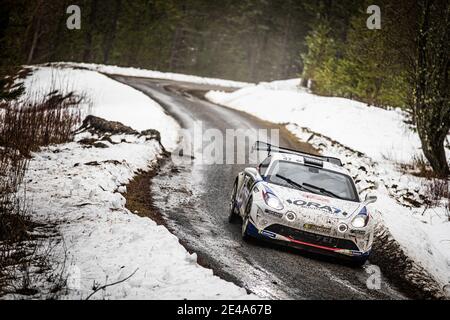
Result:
[{"x": 315, "y": 204}]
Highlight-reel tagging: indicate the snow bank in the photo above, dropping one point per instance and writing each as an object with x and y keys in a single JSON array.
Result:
[
  {"x": 78, "y": 188},
  {"x": 136, "y": 72},
  {"x": 423, "y": 233},
  {"x": 110, "y": 99},
  {"x": 105, "y": 242},
  {"x": 376, "y": 132}
]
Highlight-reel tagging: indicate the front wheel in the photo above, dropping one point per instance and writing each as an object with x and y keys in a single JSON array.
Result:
[
  {"x": 245, "y": 222},
  {"x": 358, "y": 262},
  {"x": 245, "y": 235},
  {"x": 233, "y": 217}
]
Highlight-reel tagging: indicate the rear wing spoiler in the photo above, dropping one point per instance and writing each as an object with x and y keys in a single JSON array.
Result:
[{"x": 264, "y": 146}]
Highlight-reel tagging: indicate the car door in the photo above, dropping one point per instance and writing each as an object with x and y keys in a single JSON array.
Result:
[{"x": 245, "y": 193}]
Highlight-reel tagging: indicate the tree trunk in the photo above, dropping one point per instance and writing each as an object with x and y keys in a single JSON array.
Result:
[
  {"x": 61, "y": 27},
  {"x": 34, "y": 43},
  {"x": 253, "y": 56},
  {"x": 304, "y": 81},
  {"x": 431, "y": 115},
  {"x": 178, "y": 41},
  {"x": 282, "y": 73},
  {"x": 434, "y": 151},
  {"x": 87, "y": 55},
  {"x": 175, "y": 47},
  {"x": 111, "y": 36},
  {"x": 37, "y": 31},
  {"x": 4, "y": 20}
]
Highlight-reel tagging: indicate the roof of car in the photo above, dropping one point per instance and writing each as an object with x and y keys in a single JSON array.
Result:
[{"x": 301, "y": 159}]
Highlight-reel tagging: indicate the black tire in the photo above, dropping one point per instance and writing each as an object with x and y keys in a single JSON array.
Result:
[
  {"x": 232, "y": 216},
  {"x": 245, "y": 236},
  {"x": 358, "y": 262},
  {"x": 248, "y": 207}
]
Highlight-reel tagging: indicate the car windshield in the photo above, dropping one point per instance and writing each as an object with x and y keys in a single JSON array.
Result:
[{"x": 312, "y": 179}]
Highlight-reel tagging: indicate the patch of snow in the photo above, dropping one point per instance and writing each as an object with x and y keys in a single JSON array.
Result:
[
  {"x": 376, "y": 132},
  {"x": 110, "y": 99},
  {"x": 136, "y": 72},
  {"x": 106, "y": 242},
  {"x": 288, "y": 85}
]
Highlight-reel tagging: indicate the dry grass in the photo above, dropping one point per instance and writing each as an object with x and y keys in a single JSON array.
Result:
[
  {"x": 25, "y": 126},
  {"x": 438, "y": 194},
  {"x": 436, "y": 190},
  {"x": 419, "y": 168},
  {"x": 422, "y": 168}
]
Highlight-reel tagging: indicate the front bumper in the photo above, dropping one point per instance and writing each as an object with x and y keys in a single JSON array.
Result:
[{"x": 308, "y": 241}]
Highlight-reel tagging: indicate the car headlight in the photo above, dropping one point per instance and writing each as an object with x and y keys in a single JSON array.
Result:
[
  {"x": 360, "y": 221},
  {"x": 272, "y": 200}
]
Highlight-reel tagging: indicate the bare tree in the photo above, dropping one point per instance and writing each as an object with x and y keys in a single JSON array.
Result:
[
  {"x": 35, "y": 28},
  {"x": 431, "y": 79}
]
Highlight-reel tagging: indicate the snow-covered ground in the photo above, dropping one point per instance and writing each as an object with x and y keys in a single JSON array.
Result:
[
  {"x": 376, "y": 132},
  {"x": 136, "y": 72},
  {"x": 110, "y": 99},
  {"x": 79, "y": 189},
  {"x": 384, "y": 141}
]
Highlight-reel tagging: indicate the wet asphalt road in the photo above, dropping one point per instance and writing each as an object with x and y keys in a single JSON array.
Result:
[{"x": 194, "y": 199}]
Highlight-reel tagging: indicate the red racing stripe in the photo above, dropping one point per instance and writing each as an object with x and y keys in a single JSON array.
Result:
[{"x": 313, "y": 245}]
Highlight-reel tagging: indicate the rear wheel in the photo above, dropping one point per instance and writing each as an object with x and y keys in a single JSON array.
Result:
[
  {"x": 233, "y": 217},
  {"x": 245, "y": 221}
]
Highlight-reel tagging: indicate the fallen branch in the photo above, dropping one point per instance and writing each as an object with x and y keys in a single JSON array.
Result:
[{"x": 111, "y": 284}]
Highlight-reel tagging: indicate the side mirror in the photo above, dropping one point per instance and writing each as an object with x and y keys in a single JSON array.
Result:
[
  {"x": 253, "y": 172},
  {"x": 370, "y": 198}
]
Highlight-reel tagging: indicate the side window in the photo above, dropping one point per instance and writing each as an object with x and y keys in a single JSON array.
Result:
[{"x": 264, "y": 166}]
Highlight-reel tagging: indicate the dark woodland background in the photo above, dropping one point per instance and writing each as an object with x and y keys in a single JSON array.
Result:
[{"x": 404, "y": 64}]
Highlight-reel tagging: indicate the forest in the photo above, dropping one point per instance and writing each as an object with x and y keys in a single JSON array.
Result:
[{"x": 404, "y": 63}]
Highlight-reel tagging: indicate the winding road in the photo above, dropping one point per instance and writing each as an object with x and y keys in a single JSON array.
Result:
[{"x": 193, "y": 198}]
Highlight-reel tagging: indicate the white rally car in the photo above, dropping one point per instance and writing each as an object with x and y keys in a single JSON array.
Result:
[{"x": 305, "y": 201}]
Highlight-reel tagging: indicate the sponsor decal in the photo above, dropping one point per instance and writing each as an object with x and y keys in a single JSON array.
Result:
[
  {"x": 316, "y": 197},
  {"x": 268, "y": 234},
  {"x": 317, "y": 206},
  {"x": 274, "y": 213},
  {"x": 346, "y": 252},
  {"x": 353, "y": 253},
  {"x": 312, "y": 227},
  {"x": 358, "y": 232},
  {"x": 312, "y": 161}
]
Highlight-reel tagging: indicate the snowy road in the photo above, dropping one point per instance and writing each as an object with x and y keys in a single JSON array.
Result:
[{"x": 194, "y": 202}]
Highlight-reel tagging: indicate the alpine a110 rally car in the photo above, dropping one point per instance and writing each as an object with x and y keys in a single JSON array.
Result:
[{"x": 305, "y": 201}]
